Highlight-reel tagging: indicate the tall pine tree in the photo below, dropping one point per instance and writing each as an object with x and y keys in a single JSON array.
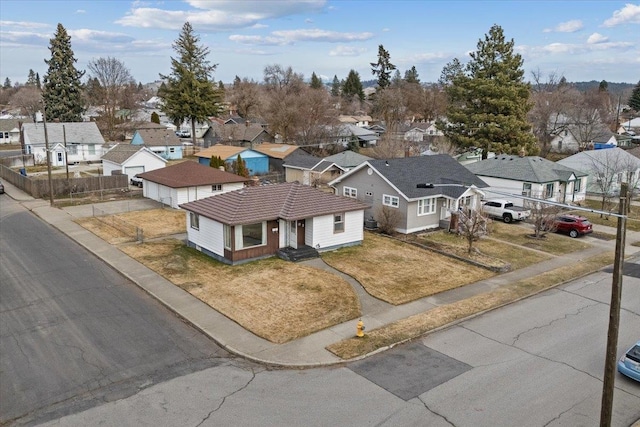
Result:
[
  {"x": 316, "y": 82},
  {"x": 383, "y": 68},
  {"x": 353, "y": 86},
  {"x": 335, "y": 86},
  {"x": 189, "y": 91},
  {"x": 489, "y": 99},
  {"x": 634, "y": 99},
  {"x": 62, "y": 91}
]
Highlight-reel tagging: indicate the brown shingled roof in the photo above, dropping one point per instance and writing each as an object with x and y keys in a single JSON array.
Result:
[
  {"x": 289, "y": 201},
  {"x": 190, "y": 174},
  {"x": 159, "y": 137},
  {"x": 223, "y": 151}
]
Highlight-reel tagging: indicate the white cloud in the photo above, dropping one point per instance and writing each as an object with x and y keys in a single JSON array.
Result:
[
  {"x": 23, "y": 24},
  {"x": 86, "y": 35},
  {"x": 308, "y": 21},
  {"x": 23, "y": 38},
  {"x": 597, "y": 38},
  {"x": 347, "y": 51},
  {"x": 566, "y": 27},
  {"x": 629, "y": 14},
  {"x": 259, "y": 40},
  {"x": 322, "y": 36},
  {"x": 80, "y": 11}
]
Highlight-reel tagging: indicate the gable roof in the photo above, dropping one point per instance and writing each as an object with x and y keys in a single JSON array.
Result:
[
  {"x": 449, "y": 178},
  {"x": 236, "y": 132},
  {"x": 7, "y": 125},
  {"x": 157, "y": 137},
  {"x": 347, "y": 159},
  {"x": 288, "y": 201},
  {"x": 120, "y": 153},
  {"x": 74, "y": 133},
  {"x": 190, "y": 174},
  {"x": 277, "y": 151},
  {"x": 524, "y": 169},
  {"x": 223, "y": 151},
  {"x": 614, "y": 159}
]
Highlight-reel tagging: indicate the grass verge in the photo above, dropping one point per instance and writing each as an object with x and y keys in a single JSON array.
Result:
[
  {"x": 416, "y": 325},
  {"x": 556, "y": 244}
]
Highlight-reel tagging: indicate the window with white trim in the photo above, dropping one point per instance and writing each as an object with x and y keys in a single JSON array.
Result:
[
  {"x": 227, "y": 237},
  {"x": 216, "y": 187},
  {"x": 576, "y": 185},
  {"x": 426, "y": 206},
  {"x": 194, "y": 220},
  {"x": 526, "y": 189},
  {"x": 338, "y": 223},
  {"x": 350, "y": 192},
  {"x": 392, "y": 201},
  {"x": 548, "y": 191}
]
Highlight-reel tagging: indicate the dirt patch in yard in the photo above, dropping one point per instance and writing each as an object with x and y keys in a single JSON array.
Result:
[
  {"x": 120, "y": 228},
  {"x": 276, "y": 300},
  {"x": 397, "y": 272}
]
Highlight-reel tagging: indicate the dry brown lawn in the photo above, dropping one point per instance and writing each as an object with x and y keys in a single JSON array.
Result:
[
  {"x": 276, "y": 300},
  {"x": 397, "y": 272},
  {"x": 633, "y": 220},
  {"x": 553, "y": 243},
  {"x": 419, "y": 324},
  {"x": 154, "y": 223}
]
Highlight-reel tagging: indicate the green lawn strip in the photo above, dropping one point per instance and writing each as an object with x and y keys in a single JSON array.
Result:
[{"x": 414, "y": 326}]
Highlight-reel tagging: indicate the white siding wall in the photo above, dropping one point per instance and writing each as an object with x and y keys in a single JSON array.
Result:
[
  {"x": 108, "y": 167},
  {"x": 209, "y": 236},
  {"x": 322, "y": 235}
]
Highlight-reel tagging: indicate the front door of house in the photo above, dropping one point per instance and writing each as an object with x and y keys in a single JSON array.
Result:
[{"x": 292, "y": 234}]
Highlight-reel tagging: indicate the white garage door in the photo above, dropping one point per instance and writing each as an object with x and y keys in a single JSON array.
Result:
[{"x": 133, "y": 170}]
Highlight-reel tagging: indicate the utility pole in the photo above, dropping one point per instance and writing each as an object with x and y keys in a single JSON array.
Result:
[
  {"x": 46, "y": 145},
  {"x": 614, "y": 314}
]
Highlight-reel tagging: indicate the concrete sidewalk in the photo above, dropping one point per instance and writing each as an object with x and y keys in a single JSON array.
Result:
[{"x": 303, "y": 352}]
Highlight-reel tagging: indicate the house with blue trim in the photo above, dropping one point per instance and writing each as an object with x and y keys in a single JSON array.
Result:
[
  {"x": 163, "y": 142},
  {"x": 257, "y": 163}
]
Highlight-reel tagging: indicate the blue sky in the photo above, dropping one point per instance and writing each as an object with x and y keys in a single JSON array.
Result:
[{"x": 581, "y": 40}]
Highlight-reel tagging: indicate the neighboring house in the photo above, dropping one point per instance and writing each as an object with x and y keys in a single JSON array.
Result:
[
  {"x": 530, "y": 176},
  {"x": 256, "y": 162},
  {"x": 187, "y": 181},
  {"x": 606, "y": 169},
  {"x": 362, "y": 120},
  {"x": 565, "y": 142},
  {"x": 130, "y": 160},
  {"x": 607, "y": 140},
  {"x": 163, "y": 142},
  {"x": 246, "y": 135},
  {"x": 347, "y": 159},
  {"x": 631, "y": 126},
  {"x": 69, "y": 143},
  {"x": 277, "y": 153},
  {"x": 302, "y": 167},
  {"x": 256, "y": 222},
  {"x": 10, "y": 130},
  {"x": 423, "y": 190},
  {"x": 419, "y": 132},
  {"x": 345, "y": 133}
]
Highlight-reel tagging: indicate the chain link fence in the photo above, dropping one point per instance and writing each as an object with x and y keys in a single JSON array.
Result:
[{"x": 133, "y": 232}]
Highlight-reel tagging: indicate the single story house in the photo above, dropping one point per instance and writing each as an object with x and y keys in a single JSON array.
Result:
[
  {"x": 530, "y": 176},
  {"x": 163, "y": 142},
  {"x": 303, "y": 167},
  {"x": 10, "y": 130},
  {"x": 606, "y": 169},
  {"x": 346, "y": 132},
  {"x": 257, "y": 163},
  {"x": 423, "y": 191},
  {"x": 277, "y": 153},
  {"x": 187, "y": 181},
  {"x": 347, "y": 159},
  {"x": 257, "y": 222},
  {"x": 69, "y": 143},
  {"x": 130, "y": 160},
  {"x": 247, "y": 134}
]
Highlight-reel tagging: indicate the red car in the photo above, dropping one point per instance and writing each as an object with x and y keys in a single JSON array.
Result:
[{"x": 573, "y": 225}]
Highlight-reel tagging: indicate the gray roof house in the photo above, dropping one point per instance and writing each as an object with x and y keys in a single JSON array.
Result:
[
  {"x": 71, "y": 142},
  {"x": 347, "y": 159},
  {"x": 423, "y": 190},
  {"x": 10, "y": 130},
  {"x": 530, "y": 176},
  {"x": 303, "y": 167},
  {"x": 130, "y": 160},
  {"x": 262, "y": 221},
  {"x": 606, "y": 169}
]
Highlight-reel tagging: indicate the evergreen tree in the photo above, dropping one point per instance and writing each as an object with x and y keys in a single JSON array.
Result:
[
  {"x": 240, "y": 167},
  {"x": 634, "y": 99},
  {"x": 397, "y": 79},
  {"x": 604, "y": 86},
  {"x": 31, "y": 79},
  {"x": 353, "y": 86},
  {"x": 335, "y": 86},
  {"x": 188, "y": 92},
  {"x": 411, "y": 76},
  {"x": 62, "y": 92},
  {"x": 217, "y": 162},
  {"x": 155, "y": 118},
  {"x": 489, "y": 99},
  {"x": 383, "y": 68},
  {"x": 7, "y": 83},
  {"x": 38, "y": 84},
  {"x": 316, "y": 82}
]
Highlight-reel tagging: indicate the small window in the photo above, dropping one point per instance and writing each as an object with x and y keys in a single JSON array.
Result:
[
  {"x": 338, "y": 223},
  {"x": 92, "y": 149},
  {"x": 194, "y": 219},
  {"x": 392, "y": 201},
  {"x": 576, "y": 185},
  {"x": 526, "y": 189},
  {"x": 350, "y": 192},
  {"x": 216, "y": 187},
  {"x": 426, "y": 206},
  {"x": 172, "y": 149},
  {"x": 227, "y": 237},
  {"x": 548, "y": 191}
]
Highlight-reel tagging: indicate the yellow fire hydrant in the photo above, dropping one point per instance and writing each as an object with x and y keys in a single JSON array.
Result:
[{"x": 360, "y": 329}]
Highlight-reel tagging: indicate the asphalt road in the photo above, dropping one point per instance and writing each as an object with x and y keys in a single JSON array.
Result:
[
  {"x": 538, "y": 362},
  {"x": 74, "y": 333}
]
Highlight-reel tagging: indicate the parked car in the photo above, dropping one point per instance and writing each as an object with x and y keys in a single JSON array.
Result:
[
  {"x": 183, "y": 134},
  {"x": 1, "y": 188},
  {"x": 505, "y": 210},
  {"x": 573, "y": 225},
  {"x": 629, "y": 363},
  {"x": 136, "y": 181}
]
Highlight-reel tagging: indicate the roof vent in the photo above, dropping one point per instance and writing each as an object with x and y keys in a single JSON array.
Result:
[{"x": 426, "y": 185}]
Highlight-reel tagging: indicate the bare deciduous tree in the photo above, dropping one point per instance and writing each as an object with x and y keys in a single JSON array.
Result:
[
  {"x": 472, "y": 225},
  {"x": 284, "y": 88},
  {"x": 542, "y": 217},
  {"x": 29, "y": 99},
  {"x": 388, "y": 219},
  {"x": 607, "y": 169},
  {"x": 245, "y": 95}
]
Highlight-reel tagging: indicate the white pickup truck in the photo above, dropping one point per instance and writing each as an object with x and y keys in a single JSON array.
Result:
[{"x": 505, "y": 210}]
